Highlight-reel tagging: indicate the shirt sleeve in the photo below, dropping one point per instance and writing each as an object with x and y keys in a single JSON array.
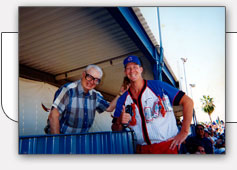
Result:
[
  {"x": 177, "y": 98},
  {"x": 61, "y": 99},
  {"x": 101, "y": 103},
  {"x": 173, "y": 93},
  {"x": 160, "y": 88}
]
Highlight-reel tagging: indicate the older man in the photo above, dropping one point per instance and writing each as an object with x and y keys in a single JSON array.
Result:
[
  {"x": 152, "y": 120},
  {"x": 74, "y": 106}
]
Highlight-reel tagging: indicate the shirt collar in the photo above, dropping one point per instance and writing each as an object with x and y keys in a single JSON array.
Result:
[{"x": 81, "y": 90}]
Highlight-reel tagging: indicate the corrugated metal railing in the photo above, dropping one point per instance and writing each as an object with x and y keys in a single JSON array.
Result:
[{"x": 86, "y": 143}]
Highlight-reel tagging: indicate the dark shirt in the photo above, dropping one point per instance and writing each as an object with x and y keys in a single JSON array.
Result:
[{"x": 193, "y": 142}]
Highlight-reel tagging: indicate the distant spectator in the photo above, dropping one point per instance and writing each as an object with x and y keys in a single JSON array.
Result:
[
  {"x": 220, "y": 146},
  {"x": 213, "y": 136},
  {"x": 200, "y": 150},
  {"x": 199, "y": 139},
  {"x": 207, "y": 134}
]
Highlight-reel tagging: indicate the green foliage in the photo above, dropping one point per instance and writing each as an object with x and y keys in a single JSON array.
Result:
[{"x": 208, "y": 105}]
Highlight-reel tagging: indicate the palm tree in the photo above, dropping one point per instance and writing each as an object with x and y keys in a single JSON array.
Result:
[{"x": 207, "y": 105}]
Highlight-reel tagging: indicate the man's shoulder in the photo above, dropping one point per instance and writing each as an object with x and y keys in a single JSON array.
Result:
[
  {"x": 124, "y": 95},
  {"x": 154, "y": 83},
  {"x": 71, "y": 85},
  {"x": 191, "y": 138},
  {"x": 95, "y": 92},
  {"x": 67, "y": 88},
  {"x": 206, "y": 140}
]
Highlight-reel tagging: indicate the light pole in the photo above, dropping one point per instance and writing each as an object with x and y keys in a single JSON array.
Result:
[
  {"x": 181, "y": 83},
  {"x": 191, "y": 86},
  {"x": 184, "y": 61},
  {"x": 194, "y": 114}
]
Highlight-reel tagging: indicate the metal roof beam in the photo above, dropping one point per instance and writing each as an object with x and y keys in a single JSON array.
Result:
[
  {"x": 37, "y": 75},
  {"x": 101, "y": 64},
  {"x": 129, "y": 22}
]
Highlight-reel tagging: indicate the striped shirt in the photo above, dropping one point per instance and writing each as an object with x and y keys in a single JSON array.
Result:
[{"x": 77, "y": 109}]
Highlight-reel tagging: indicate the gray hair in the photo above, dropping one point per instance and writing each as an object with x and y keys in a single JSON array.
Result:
[{"x": 95, "y": 67}]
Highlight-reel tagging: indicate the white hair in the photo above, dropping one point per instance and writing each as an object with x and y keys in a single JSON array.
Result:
[{"x": 95, "y": 67}]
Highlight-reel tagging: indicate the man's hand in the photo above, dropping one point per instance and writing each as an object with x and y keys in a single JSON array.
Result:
[
  {"x": 125, "y": 117},
  {"x": 178, "y": 140},
  {"x": 187, "y": 103}
]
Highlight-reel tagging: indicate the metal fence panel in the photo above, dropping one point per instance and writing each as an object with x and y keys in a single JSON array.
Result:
[{"x": 86, "y": 143}]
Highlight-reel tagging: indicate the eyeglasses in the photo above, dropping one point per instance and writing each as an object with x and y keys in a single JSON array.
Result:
[
  {"x": 90, "y": 78},
  {"x": 200, "y": 129}
]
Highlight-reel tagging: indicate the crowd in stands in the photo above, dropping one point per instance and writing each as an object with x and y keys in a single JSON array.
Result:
[{"x": 208, "y": 138}]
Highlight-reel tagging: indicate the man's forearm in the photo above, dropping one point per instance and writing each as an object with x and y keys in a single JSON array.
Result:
[
  {"x": 187, "y": 113},
  {"x": 112, "y": 104},
  {"x": 54, "y": 127},
  {"x": 187, "y": 118},
  {"x": 54, "y": 122}
]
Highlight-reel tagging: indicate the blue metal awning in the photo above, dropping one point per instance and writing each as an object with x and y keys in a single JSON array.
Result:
[{"x": 130, "y": 23}]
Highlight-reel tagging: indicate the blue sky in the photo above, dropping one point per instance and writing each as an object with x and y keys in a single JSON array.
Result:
[{"x": 196, "y": 33}]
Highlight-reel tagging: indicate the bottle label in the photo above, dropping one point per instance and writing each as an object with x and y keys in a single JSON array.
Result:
[
  {"x": 166, "y": 102},
  {"x": 148, "y": 114}
]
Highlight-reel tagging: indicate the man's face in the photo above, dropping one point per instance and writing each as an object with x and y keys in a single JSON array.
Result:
[
  {"x": 200, "y": 131},
  {"x": 90, "y": 79},
  {"x": 133, "y": 71},
  {"x": 201, "y": 150}
]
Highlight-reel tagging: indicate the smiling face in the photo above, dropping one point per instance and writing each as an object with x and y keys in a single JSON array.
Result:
[
  {"x": 133, "y": 71},
  {"x": 90, "y": 79}
]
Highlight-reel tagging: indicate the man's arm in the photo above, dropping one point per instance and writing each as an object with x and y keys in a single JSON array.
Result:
[
  {"x": 54, "y": 121},
  {"x": 112, "y": 104},
  {"x": 123, "y": 88},
  {"x": 187, "y": 104}
]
